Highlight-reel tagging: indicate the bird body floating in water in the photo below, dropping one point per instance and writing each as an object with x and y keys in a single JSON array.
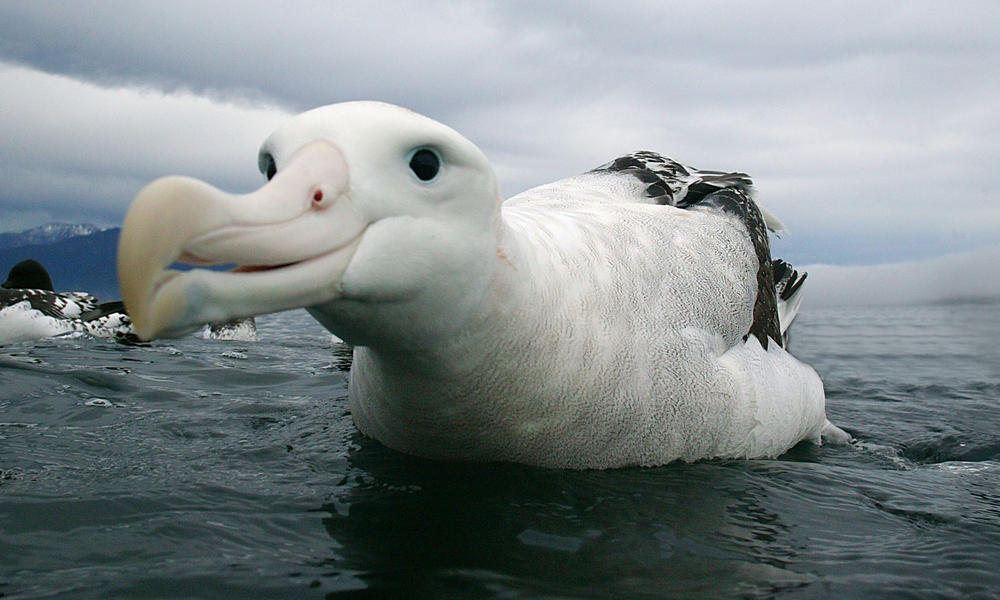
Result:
[{"x": 630, "y": 315}]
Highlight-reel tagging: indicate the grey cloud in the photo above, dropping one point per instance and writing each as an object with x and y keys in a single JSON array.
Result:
[
  {"x": 72, "y": 149},
  {"x": 308, "y": 53},
  {"x": 844, "y": 113}
]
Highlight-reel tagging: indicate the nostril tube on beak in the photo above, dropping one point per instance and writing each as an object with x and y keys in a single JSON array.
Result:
[{"x": 322, "y": 196}]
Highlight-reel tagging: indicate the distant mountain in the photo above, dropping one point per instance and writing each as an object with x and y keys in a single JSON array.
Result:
[
  {"x": 78, "y": 263},
  {"x": 49, "y": 233}
]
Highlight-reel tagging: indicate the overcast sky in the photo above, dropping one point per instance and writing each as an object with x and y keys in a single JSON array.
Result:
[{"x": 872, "y": 129}]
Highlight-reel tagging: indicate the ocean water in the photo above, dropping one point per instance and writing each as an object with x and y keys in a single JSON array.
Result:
[{"x": 202, "y": 469}]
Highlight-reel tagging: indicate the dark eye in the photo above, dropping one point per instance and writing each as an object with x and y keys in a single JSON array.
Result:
[
  {"x": 425, "y": 164},
  {"x": 267, "y": 166}
]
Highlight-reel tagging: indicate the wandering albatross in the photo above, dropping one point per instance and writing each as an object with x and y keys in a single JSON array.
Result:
[{"x": 626, "y": 316}]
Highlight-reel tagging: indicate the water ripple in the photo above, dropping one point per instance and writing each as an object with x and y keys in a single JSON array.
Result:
[{"x": 203, "y": 469}]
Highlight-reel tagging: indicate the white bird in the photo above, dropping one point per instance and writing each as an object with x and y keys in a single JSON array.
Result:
[
  {"x": 30, "y": 309},
  {"x": 626, "y": 316}
]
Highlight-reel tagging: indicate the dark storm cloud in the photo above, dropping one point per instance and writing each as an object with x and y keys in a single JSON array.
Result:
[
  {"x": 295, "y": 54},
  {"x": 308, "y": 53}
]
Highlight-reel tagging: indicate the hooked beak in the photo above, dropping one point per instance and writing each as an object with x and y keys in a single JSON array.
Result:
[{"x": 292, "y": 241}]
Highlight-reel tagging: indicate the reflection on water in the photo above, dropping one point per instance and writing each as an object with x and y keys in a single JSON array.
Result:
[{"x": 452, "y": 529}]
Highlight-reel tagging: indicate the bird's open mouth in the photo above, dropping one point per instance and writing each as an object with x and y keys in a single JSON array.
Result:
[
  {"x": 257, "y": 268},
  {"x": 290, "y": 250}
]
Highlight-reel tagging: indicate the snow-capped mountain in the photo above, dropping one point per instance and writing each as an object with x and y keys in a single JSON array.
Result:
[
  {"x": 49, "y": 233},
  {"x": 77, "y": 262},
  {"x": 81, "y": 259}
]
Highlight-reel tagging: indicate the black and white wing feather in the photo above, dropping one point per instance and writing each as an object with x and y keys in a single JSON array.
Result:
[{"x": 669, "y": 182}]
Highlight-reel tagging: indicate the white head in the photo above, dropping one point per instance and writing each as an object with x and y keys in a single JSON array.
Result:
[{"x": 374, "y": 217}]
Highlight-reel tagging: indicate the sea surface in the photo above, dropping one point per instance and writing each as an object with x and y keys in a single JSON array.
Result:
[{"x": 194, "y": 468}]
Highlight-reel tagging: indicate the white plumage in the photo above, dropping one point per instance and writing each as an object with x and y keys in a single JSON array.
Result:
[
  {"x": 613, "y": 336},
  {"x": 20, "y": 321},
  {"x": 30, "y": 309},
  {"x": 609, "y": 319},
  {"x": 29, "y": 313}
]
